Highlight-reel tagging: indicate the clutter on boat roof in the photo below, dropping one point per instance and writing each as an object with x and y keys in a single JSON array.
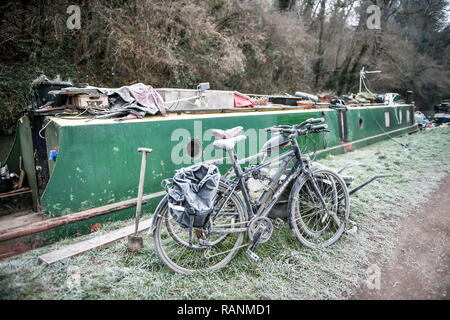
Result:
[
  {"x": 442, "y": 115},
  {"x": 135, "y": 101}
]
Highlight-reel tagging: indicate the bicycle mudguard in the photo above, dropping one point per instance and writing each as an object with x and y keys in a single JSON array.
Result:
[
  {"x": 347, "y": 179},
  {"x": 161, "y": 204},
  {"x": 315, "y": 166}
]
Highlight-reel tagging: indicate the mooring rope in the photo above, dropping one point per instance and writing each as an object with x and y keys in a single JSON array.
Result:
[{"x": 389, "y": 136}]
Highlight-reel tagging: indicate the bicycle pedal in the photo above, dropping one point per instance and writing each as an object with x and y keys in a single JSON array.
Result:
[
  {"x": 204, "y": 243},
  {"x": 278, "y": 224},
  {"x": 253, "y": 255}
]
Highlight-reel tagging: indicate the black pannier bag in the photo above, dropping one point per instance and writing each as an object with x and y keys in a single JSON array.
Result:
[{"x": 191, "y": 196}]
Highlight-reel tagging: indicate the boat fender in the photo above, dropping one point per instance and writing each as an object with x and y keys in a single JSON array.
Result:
[{"x": 53, "y": 155}]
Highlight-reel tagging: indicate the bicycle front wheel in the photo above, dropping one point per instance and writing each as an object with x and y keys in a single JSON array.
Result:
[
  {"x": 207, "y": 251},
  {"x": 312, "y": 224}
]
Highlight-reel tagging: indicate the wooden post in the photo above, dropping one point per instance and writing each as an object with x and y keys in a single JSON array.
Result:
[{"x": 141, "y": 185}]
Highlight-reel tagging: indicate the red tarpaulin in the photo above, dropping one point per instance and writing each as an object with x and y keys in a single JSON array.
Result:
[{"x": 241, "y": 101}]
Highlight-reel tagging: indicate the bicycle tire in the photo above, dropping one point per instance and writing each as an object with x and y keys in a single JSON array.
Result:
[
  {"x": 302, "y": 199},
  {"x": 168, "y": 230}
]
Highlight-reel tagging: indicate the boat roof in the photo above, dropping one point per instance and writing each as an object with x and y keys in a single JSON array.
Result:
[{"x": 220, "y": 113}]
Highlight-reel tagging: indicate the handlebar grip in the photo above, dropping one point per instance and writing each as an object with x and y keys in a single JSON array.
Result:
[
  {"x": 317, "y": 120},
  {"x": 309, "y": 122},
  {"x": 271, "y": 129},
  {"x": 320, "y": 127}
]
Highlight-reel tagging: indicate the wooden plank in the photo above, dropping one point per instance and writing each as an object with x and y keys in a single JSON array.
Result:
[
  {"x": 20, "y": 218},
  {"x": 15, "y": 192},
  {"x": 49, "y": 109},
  {"x": 73, "y": 217},
  {"x": 74, "y": 91},
  {"x": 94, "y": 243}
]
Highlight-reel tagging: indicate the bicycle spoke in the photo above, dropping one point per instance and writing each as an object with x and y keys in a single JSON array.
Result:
[
  {"x": 206, "y": 250},
  {"x": 314, "y": 225}
]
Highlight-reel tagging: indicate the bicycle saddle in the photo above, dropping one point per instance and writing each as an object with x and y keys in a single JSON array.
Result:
[
  {"x": 228, "y": 144},
  {"x": 226, "y": 134}
]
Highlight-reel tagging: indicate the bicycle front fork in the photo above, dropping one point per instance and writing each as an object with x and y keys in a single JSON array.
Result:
[{"x": 333, "y": 214}]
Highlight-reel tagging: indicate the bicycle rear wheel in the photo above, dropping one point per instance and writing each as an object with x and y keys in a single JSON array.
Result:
[
  {"x": 311, "y": 224},
  {"x": 207, "y": 251}
]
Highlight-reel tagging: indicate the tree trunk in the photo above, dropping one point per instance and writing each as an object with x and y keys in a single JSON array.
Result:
[{"x": 320, "y": 49}]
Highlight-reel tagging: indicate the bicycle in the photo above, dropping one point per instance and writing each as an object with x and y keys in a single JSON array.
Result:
[{"x": 318, "y": 207}]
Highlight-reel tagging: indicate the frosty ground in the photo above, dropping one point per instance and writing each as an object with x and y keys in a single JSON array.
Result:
[{"x": 287, "y": 270}]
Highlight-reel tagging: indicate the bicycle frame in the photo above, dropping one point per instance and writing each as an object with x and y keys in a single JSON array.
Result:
[{"x": 239, "y": 179}]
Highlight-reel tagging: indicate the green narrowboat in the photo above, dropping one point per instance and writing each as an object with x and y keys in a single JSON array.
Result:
[{"x": 94, "y": 176}]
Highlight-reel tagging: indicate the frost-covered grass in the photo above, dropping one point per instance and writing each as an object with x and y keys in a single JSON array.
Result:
[{"x": 287, "y": 270}]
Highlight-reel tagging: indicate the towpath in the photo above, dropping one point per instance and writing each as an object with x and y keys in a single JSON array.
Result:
[{"x": 419, "y": 267}]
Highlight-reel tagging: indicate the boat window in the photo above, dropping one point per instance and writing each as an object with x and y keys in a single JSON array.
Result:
[
  {"x": 387, "y": 119},
  {"x": 400, "y": 116},
  {"x": 194, "y": 149},
  {"x": 408, "y": 116},
  {"x": 361, "y": 123}
]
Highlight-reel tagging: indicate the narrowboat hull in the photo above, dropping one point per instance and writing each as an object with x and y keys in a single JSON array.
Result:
[{"x": 93, "y": 180}]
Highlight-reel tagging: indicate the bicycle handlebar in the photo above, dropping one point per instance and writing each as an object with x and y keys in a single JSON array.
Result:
[
  {"x": 317, "y": 120},
  {"x": 297, "y": 128},
  {"x": 320, "y": 127},
  {"x": 309, "y": 121}
]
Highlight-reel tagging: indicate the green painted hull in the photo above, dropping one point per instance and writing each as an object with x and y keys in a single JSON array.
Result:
[{"x": 98, "y": 163}]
